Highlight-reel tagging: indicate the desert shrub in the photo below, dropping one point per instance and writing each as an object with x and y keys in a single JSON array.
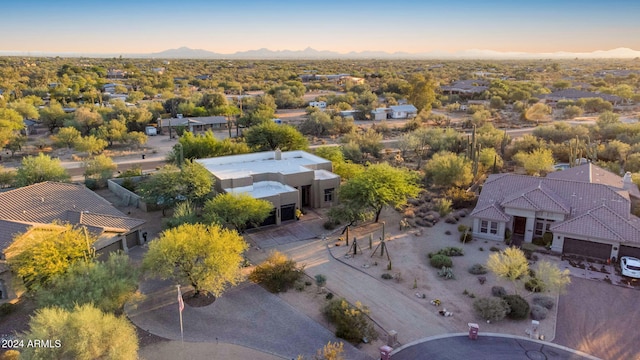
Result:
[
  {"x": 329, "y": 296},
  {"x": 544, "y": 301},
  {"x": 494, "y": 249},
  {"x": 438, "y": 261},
  {"x": 461, "y": 198},
  {"x": 278, "y": 273},
  {"x": 498, "y": 291},
  {"x": 6, "y": 309},
  {"x": 507, "y": 236},
  {"x": 386, "y": 276},
  {"x": 448, "y": 251},
  {"x": 462, "y": 228},
  {"x": 307, "y": 283},
  {"x": 321, "y": 280},
  {"x": 534, "y": 285},
  {"x": 442, "y": 206},
  {"x": 330, "y": 224},
  {"x": 548, "y": 238},
  {"x": 538, "y": 312},
  {"x": 299, "y": 285},
  {"x": 519, "y": 307},
  {"x": 491, "y": 308},
  {"x": 466, "y": 237},
  {"x": 352, "y": 323},
  {"x": 446, "y": 272},
  {"x": 477, "y": 269},
  {"x": 448, "y": 232}
]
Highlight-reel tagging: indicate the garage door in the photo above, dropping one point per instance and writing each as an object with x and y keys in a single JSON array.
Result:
[
  {"x": 586, "y": 248},
  {"x": 629, "y": 251},
  {"x": 132, "y": 239},
  {"x": 287, "y": 212},
  {"x": 103, "y": 254}
]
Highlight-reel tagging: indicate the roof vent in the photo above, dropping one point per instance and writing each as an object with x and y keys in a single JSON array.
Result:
[{"x": 42, "y": 199}]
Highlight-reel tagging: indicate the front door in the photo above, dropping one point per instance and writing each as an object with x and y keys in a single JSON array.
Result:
[{"x": 519, "y": 225}]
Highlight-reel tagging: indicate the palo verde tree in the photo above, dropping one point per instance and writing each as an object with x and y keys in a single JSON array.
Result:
[
  {"x": 43, "y": 253},
  {"x": 271, "y": 136},
  {"x": 378, "y": 186},
  {"x": 84, "y": 332},
  {"x": 105, "y": 284},
  {"x": 36, "y": 169},
  {"x": 237, "y": 210},
  {"x": 510, "y": 264},
  {"x": 206, "y": 257}
]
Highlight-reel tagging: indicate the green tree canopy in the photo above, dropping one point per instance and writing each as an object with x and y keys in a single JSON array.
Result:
[
  {"x": 208, "y": 258},
  {"x": 100, "y": 169},
  {"x": 537, "y": 162},
  {"x": 41, "y": 254},
  {"x": 271, "y": 136},
  {"x": 66, "y": 136},
  {"x": 36, "y": 169},
  {"x": 107, "y": 285},
  {"x": 422, "y": 93},
  {"x": 448, "y": 169},
  {"x": 237, "y": 210},
  {"x": 90, "y": 144},
  {"x": 378, "y": 186},
  {"x": 510, "y": 264},
  {"x": 171, "y": 185},
  {"x": 83, "y": 333}
]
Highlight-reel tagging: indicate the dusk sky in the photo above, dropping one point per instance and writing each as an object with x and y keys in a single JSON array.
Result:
[{"x": 130, "y": 26}]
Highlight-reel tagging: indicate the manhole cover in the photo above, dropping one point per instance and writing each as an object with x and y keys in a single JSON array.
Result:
[{"x": 536, "y": 355}]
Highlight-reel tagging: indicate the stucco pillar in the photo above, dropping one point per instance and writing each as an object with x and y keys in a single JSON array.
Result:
[
  {"x": 528, "y": 232},
  {"x": 557, "y": 244}
]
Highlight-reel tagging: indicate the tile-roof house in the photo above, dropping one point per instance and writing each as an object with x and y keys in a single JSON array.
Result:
[
  {"x": 37, "y": 206},
  {"x": 43, "y": 203},
  {"x": 586, "y": 208}
]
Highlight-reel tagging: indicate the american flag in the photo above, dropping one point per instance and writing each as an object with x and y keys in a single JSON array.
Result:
[{"x": 180, "y": 301}]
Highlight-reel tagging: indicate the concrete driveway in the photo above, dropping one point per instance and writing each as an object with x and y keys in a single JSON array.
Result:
[{"x": 246, "y": 315}]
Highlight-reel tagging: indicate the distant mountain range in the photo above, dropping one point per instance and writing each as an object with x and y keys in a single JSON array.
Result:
[{"x": 312, "y": 54}]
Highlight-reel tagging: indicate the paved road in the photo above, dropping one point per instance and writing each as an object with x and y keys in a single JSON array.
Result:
[{"x": 486, "y": 347}]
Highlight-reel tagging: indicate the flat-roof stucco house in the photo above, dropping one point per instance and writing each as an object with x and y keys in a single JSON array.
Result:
[
  {"x": 586, "y": 208},
  {"x": 290, "y": 180}
]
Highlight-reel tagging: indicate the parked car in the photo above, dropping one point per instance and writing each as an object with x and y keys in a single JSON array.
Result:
[{"x": 630, "y": 266}]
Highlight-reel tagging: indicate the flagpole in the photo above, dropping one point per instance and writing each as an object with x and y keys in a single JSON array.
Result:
[{"x": 180, "y": 308}]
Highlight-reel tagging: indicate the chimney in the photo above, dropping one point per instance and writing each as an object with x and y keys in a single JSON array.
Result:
[{"x": 278, "y": 154}]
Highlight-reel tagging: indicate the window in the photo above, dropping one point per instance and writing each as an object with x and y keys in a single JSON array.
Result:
[
  {"x": 542, "y": 226},
  {"x": 328, "y": 195},
  {"x": 488, "y": 227},
  {"x": 484, "y": 226}
]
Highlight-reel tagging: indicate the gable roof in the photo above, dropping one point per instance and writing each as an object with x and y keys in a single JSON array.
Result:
[
  {"x": 46, "y": 202},
  {"x": 539, "y": 198},
  {"x": 591, "y": 173},
  {"x": 603, "y": 223},
  {"x": 491, "y": 212}
]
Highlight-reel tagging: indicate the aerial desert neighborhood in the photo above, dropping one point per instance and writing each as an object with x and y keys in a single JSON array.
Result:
[{"x": 335, "y": 181}]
